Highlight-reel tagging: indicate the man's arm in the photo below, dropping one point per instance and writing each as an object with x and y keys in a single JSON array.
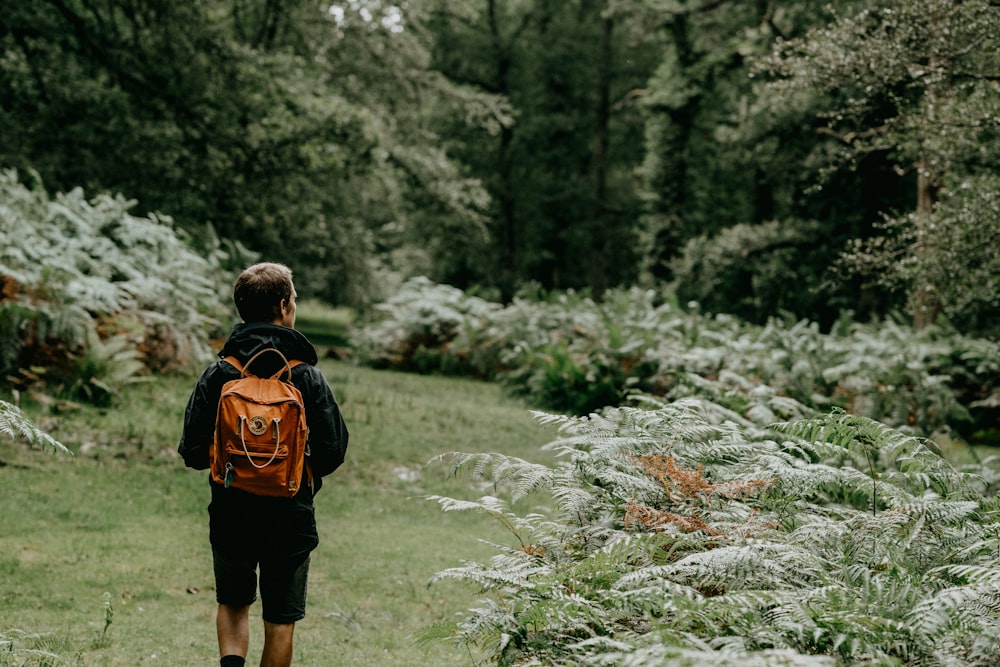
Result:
[
  {"x": 328, "y": 434},
  {"x": 199, "y": 419}
]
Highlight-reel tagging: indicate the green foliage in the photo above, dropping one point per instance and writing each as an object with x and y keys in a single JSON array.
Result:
[
  {"x": 302, "y": 133},
  {"x": 914, "y": 80},
  {"x": 559, "y": 164},
  {"x": 571, "y": 354},
  {"x": 14, "y": 424},
  {"x": 680, "y": 532},
  {"x": 746, "y": 270},
  {"x": 576, "y": 144},
  {"x": 94, "y": 296}
]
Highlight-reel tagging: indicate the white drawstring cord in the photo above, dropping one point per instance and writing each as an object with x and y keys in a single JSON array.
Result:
[{"x": 277, "y": 442}]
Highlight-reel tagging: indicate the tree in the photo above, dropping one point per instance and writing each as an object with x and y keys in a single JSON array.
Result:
[
  {"x": 300, "y": 130},
  {"x": 916, "y": 81},
  {"x": 562, "y": 172}
]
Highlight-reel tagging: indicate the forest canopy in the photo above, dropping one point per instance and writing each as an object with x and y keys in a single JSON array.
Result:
[{"x": 756, "y": 157}]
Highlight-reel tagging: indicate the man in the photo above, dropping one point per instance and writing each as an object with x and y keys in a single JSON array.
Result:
[{"x": 248, "y": 531}]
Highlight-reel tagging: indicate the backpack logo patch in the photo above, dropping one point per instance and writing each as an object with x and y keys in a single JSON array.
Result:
[{"x": 257, "y": 425}]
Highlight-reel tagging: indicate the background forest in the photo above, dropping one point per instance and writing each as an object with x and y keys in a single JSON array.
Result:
[{"x": 759, "y": 157}]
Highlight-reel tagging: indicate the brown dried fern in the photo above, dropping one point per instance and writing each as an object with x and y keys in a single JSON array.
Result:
[
  {"x": 682, "y": 486},
  {"x": 681, "y": 483},
  {"x": 650, "y": 517}
]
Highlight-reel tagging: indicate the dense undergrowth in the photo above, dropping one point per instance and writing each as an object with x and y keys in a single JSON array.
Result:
[
  {"x": 685, "y": 534},
  {"x": 92, "y": 298},
  {"x": 570, "y": 354},
  {"x": 737, "y": 494}
]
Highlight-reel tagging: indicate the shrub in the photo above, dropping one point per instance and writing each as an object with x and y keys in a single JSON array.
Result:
[
  {"x": 77, "y": 275},
  {"x": 419, "y": 322},
  {"x": 570, "y": 354},
  {"x": 683, "y": 533}
]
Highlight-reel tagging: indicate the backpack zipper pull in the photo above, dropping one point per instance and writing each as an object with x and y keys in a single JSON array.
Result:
[{"x": 229, "y": 475}]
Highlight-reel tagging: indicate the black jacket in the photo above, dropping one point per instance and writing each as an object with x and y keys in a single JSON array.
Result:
[{"x": 240, "y": 521}]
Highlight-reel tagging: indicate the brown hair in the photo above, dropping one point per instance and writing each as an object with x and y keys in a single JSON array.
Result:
[{"x": 260, "y": 289}]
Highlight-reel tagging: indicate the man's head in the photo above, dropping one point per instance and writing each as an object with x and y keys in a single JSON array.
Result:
[{"x": 264, "y": 293}]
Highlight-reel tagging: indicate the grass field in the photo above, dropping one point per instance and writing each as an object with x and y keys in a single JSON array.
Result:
[{"x": 123, "y": 522}]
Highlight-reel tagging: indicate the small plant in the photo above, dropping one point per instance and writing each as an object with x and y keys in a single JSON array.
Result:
[
  {"x": 102, "y": 638},
  {"x": 104, "y": 367},
  {"x": 14, "y": 424}
]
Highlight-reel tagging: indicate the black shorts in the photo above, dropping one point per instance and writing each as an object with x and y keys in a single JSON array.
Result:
[{"x": 282, "y": 584}]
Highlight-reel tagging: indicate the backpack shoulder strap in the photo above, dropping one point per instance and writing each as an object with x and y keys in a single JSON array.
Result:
[
  {"x": 288, "y": 365},
  {"x": 292, "y": 363},
  {"x": 234, "y": 362}
]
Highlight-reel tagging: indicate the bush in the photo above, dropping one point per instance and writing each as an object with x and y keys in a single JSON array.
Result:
[
  {"x": 89, "y": 290},
  {"x": 418, "y": 325},
  {"x": 572, "y": 355},
  {"x": 685, "y": 534}
]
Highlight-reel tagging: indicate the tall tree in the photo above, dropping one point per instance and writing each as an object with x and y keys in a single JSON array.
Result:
[
  {"x": 726, "y": 159},
  {"x": 915, "y": 80},
  {"x": 562, "y": 174}
]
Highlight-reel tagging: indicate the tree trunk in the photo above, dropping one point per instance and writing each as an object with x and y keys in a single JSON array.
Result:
[
  {"x": 599, "y": 221},
  {"x": 924, "y": 299},
  {"x": 505, "y": 201}
]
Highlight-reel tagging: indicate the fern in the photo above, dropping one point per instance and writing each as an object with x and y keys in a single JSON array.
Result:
[
  {"x": 19, "y": 645},
  {"x": 569, "y": 354},
  {"x": 15, "y": 425},
  {"x": 677, "y": 532},
  {"x": 73, "y": 268}
]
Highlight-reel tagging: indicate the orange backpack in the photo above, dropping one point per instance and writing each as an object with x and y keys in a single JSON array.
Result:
[{"x": 260, "y": 432}]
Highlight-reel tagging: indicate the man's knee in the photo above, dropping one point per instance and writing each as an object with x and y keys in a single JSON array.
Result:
[{"x": 279, "y": 629}]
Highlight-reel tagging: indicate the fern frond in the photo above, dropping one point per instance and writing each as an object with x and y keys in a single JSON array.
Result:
[
  {"x": 516, "y": 572},
  {"x": 940, "y": 512},
  {"x": 757, "y": 566},
  {"x": 967, "y": 608},
  {"x": 526, "y": 477},
  {"x": 16, "y": 425},
  {"x": 492, "y": 507}
]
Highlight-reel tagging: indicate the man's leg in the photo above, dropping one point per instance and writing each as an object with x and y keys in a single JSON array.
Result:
[
  {"x": 233, "y": 627},
  {"x": 283, "y": 584},
  {"x": 235, "y": 591},
  {"x": 277, "y": 645}
]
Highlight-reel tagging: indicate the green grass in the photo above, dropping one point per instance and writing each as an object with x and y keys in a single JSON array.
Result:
[
  {"x": 324, "y": 324},
  {"x": 125, "y": 517}
]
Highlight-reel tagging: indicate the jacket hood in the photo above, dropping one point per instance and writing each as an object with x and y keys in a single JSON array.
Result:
[{"x": 247, "y": 339}]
